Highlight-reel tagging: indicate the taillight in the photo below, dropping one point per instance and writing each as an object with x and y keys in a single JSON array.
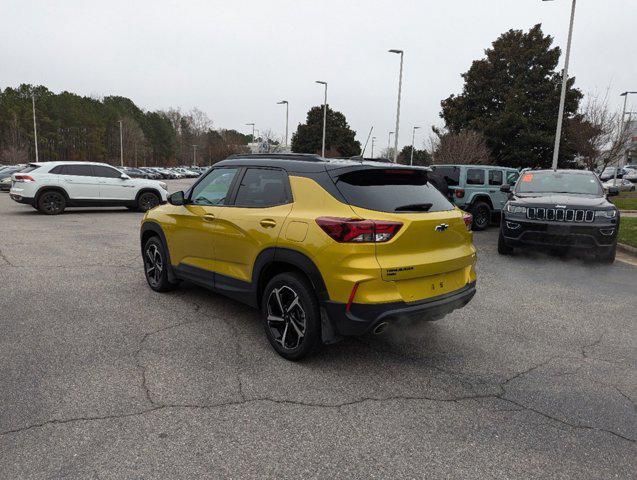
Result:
[
  {"x": 459, "y": 192},
  {"x": 468, "y": 220},
  {"x": 354, "y": 230},
  {"x": 24, "y": 178}
]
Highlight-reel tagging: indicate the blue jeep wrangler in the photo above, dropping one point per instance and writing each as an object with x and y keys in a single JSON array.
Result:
[{"x": 476, "y": 189}]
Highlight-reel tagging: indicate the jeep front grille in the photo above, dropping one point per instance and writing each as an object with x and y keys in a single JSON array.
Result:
[{"x": 560, "y": 214}]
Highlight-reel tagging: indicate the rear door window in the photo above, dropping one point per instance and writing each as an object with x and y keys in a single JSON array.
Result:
[
  {"x": 495, "y": 177},
  {"x": 262, "y": 187},
  {"x": 392, "y": 190},
  {"x": 78, "y": 170},
  {"x": 451, "y": 175},
  {"x": 475, "y": 176}
]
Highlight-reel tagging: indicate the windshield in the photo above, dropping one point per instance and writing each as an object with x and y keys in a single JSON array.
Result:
[{"x": 559, "y": 182}]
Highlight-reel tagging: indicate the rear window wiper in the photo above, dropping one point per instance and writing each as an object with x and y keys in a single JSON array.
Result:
[{"x": 414, "y": 207}]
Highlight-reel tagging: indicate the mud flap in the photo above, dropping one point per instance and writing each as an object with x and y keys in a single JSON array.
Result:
[{"x": 328, "y": 332}]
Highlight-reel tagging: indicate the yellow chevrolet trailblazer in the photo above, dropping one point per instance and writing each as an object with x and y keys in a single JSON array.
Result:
[{"x": 324, "y": 247}]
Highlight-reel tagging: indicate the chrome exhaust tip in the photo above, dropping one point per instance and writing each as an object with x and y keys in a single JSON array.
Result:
[{"x": 380, "y": 328}]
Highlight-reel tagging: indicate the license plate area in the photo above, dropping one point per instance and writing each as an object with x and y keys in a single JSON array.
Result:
[{"x": 558, "y": 229}]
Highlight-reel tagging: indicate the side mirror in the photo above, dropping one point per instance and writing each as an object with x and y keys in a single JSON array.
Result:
[
  {"x": 506, "y": 188},
  {"x": 123, "y": 176},
  {"x": 613, "y": 191},
  {"x": 177, "y": 198}
]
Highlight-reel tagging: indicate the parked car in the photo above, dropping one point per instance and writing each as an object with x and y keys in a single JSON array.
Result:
[
  {"x": 297, "y": 235},
  {"x": 5, "y": 176},
  {"x": 560, "y": 209},
  {"x": 52, "y": 186},
  {"x": 476, "y": 189},
  {"x": 609, "y": 172},
  {"x": 135, "y": 172},
  {"x": 622, "y": 184},
  {"x": 631, "y": 175}
]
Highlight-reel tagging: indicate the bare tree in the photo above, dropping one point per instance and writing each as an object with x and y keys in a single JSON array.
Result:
[
  {"x": 466, "y": 146},
  {"x": 598, "y": 134},
  {"x": 15, "y": 150},
  {"x": 269, "y": 142},
  {"x": 136, "y": 147}
]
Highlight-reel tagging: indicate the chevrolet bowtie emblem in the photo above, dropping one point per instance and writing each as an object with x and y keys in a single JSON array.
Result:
[{"x": 442, "y": 227}]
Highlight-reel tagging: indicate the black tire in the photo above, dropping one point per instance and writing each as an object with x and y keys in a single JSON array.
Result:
[
  {"x": 51, "y": 202},
  {"x": 156, "y": 266},
  {"x": 147, "y": 200},
  {"x": 607, "y": 256},
  {"x": 291, "y": 316},
  {"x": 481, "y": 212},
  {"x": 503, "y": 248}
]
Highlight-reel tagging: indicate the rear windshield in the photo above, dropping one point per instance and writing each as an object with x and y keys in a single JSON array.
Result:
[
  {"x": 392, "y": 190},
  {"x": 559, "y": 182},
  {"x": 29, "y": 168},
  {"x": 451, "y": 175}
]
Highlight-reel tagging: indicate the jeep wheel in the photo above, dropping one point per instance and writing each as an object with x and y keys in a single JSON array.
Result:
[
  {"x": 156, "y": 266},
  {"x": 503, "y": 248},
  {"x": 481, "y": 215},
  {"x": 607, "y": 256},
  {"x": 291, "y": 316},
  {"x": 51, "y": 203},
  {"x": 146, "y": 201}
]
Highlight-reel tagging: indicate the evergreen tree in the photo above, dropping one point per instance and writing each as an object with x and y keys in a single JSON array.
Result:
[{"x": 340, "y": 139}]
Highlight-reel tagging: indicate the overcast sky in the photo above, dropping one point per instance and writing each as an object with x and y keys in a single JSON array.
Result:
[{"x": 236, "y": 59}]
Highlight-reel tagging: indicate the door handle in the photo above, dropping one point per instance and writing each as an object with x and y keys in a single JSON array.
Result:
[
  {"x": 209, "y": 217},
  {"x": 268, "y": 223}
]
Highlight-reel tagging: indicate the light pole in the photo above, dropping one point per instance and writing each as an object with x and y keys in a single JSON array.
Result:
[
  {"x": 121, "y": 145},
  {"x": 324, "y": 116},
  {"x": 287, "y": 112},
  {"x": 400, "y": 86},
  {"x": 621, "y": 131},
  {"x": 389, "y": 143},
  {"x": 413, "y": 137},
  {"x": 560, "y": 114},
  {"x": 373, "y": 142},
  {"x": 251, "y": 125},
  {"x": 194, "y": 155},
  {"x": 35, "y": 129}
]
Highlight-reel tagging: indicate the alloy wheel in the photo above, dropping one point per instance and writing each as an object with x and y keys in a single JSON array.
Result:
[
  {"x": 154, "y": 264},
  {"x": 52, "y": 202},
  {"x": 148, "y": 201},
  {"x": 286, "y": 317}
]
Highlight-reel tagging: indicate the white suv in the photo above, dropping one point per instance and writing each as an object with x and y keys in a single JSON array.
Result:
[{"x": 52, "y": 186}]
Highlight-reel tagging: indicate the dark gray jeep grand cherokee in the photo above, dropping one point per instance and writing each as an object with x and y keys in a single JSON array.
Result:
[{"x": 559, "y": 209}]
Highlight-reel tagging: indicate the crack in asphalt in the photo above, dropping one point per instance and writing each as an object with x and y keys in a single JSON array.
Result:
[
  {"x": 5, "y": 259},
  {"x": 155, "y": 406}
]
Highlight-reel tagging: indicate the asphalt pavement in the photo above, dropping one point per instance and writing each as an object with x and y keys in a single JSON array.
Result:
[{"x": 103, "y": 378}]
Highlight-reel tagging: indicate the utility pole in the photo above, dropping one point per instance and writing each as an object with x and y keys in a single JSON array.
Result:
[
  {"x": 373, "y": 142},
  {"x": 560, "y": 113},
  {"x": 400, "y": 85},
  {"x": 389, "y": 144},
  {"x": 121, "y": 145},
  {"x": 621, "y": 133},
  {"x": 194, "y": 155},
  {"x": 251, "y": 125},
  {"x": 324, "y": 116},
  {"x": 35, "y": 129}
]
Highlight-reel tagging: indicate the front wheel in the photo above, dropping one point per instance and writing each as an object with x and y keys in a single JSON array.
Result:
[
  {"x": 291, "y": 316},
  {"x": 503, "y": 248},
  {"x": 607, "y": 256},
  {"x": 156, "y": 266},
  {"x": 481, "y": 212},
  {"x": 147, "y": 200}
]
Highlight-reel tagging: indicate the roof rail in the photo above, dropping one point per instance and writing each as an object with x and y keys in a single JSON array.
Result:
[{"x": 308, "y": 157}]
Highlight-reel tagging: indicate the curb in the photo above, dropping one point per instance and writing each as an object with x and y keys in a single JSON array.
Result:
[
  {"x": 627, "y": 249},
  {"x": 627, "y": 211}
]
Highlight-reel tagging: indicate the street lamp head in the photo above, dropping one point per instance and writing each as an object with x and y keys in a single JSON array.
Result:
[
  {"x": 321, "y": 82},
  {"x": 416, "y": 128},
  {"x": 626, "y": 94},
  {"x": 394, "y": 50},
  {"x": 250, "y": 124},
  {"x": 282, "y": 102}
]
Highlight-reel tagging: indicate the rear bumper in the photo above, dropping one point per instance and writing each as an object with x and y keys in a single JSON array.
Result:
[
  {"x": 20, "y": 199},
  {"x": 364, "y": 317}
]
